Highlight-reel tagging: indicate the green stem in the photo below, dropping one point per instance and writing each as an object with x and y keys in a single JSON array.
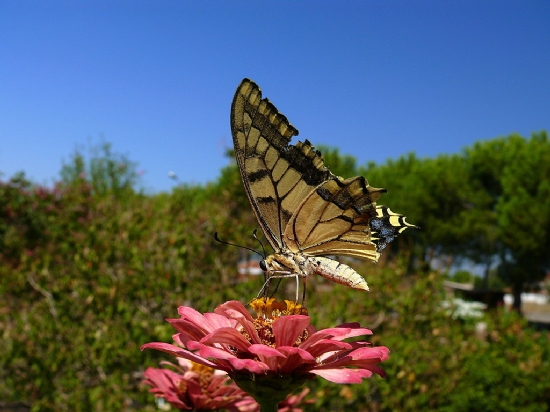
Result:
[
  {"x": 268, "y": 390},
  {"x": 268, "y": 405}
]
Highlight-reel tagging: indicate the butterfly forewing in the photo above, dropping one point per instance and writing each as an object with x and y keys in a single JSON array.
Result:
[{"x": 276, "y": 176}]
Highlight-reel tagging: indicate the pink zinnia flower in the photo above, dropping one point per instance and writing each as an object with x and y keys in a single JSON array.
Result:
[
  {"x": 292, "y": 403},
  {"x": 274, "y": 353},
  {"x": 191, "y": 386}
]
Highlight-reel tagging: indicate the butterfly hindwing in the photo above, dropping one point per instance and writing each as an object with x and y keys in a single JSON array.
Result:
[{"x": 335, "y": 219}]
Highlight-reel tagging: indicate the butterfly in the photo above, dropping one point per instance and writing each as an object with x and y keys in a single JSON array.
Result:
[{"x": 305, "y": 211}]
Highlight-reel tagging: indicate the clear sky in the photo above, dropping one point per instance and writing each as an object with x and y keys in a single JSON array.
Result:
[{"x": 377, "y": 79}]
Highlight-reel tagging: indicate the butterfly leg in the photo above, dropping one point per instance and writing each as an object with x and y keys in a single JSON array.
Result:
[
  {"x": 280, "y": 274},
  {"x": 264, "y": 291},
  {"x": 304, "y": 293},
  {"x": 267, "y": 283}
]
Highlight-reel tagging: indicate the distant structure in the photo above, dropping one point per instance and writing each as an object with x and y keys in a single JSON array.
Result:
[{"x": 249, "y": 267}]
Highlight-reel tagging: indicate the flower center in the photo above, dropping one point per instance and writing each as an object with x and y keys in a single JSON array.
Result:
[
  {"x": 269, "y": 310},
  {"x": 272, "y": 308},
  {"x": 204, "y": 373}
]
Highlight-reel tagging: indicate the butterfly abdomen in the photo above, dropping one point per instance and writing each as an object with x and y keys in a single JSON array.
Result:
[{"x": 337, "y": 272}]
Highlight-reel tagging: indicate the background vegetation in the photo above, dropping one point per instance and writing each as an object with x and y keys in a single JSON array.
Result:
[{"x": 91, "y": 267}]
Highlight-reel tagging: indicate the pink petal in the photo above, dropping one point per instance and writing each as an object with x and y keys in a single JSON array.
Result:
[
  {"x": 342, "y": 375},
  {"x": 364, "y": 358},
  {"x": 161, "y": 378},
  {"x": 268, "y": 355},
  {"x": 247, "y": 405},
  {"x": 353, "y": 333},
  {"x": 352, "y": 325},
  {"x": 182, "y": 340},
  {"x": 313, "y": 339},
  {"x": 238, "y": 313},
  {"x": 294, "y": 351},
  {"x": 195, "y": 317},
  {"x": 374, "y": 368},
  {"x": 187, "y": 328},
  {"x": 236, "y": 309},
  {"x": 311, "y": 330},
  {"x": 217, "y": 385},
  {"x": 249, "y": 365},
  {"x": 325, "y": 345},
  {"x": 176, "y": 351},
  {"x": 296, "y": 399},
  {"x": 183, "y": 364},
  {"x": 339, "y": 332},
  {"x": 369, "y": 353},
  {"x": 251, "y": 331},
  {"x": 264, "y": 350},
  {"x": 209, "y": 351},
  {"x": 360, "y": 344},
  {"x": 287, "y": 329},
  {"x": 358, "y": 356},
  {"x": 164, "y": 384},
  {"x": 193, "y": 388},
  {"x": 219, "y": 321},
  {"x": 165, "y": 347},
  {"x": 295, "y": 358},
  {"x": 226, "y": 336}
]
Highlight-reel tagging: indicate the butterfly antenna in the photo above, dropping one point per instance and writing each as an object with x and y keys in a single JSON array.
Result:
[
  {"x": 264, "y": 255},
  {"x": 233, "y": 244},
  {"x": 259, "y": 241}
]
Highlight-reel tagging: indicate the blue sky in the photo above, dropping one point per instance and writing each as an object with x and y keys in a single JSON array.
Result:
[{"x": 377, "y": 79}]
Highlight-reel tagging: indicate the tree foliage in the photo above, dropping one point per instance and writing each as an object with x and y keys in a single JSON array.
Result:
[
  {"x": 489, "y": 204},
  {"x": 515, "y": 173},
  {"x": 105, "y": 171}
]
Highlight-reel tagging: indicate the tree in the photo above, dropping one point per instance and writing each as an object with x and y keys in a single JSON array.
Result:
[
  {"x": 107, "y": 172},
  {"x": 434, "y": 194},
  {"x": 514, "y": 172}
]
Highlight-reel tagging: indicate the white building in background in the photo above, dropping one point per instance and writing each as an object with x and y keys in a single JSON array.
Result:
[
  {"x": 537, "y": 298},
  {"x": 249, "y": 267}
]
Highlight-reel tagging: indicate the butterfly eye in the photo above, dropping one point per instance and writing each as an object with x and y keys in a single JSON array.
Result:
[{"x": 263, "y": 265}]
